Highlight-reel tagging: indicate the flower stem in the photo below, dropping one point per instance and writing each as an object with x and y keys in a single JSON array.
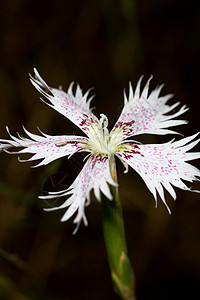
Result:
[{"x": 115, "y": 241}]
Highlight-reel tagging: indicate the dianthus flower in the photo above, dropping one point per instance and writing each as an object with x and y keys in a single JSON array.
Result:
[{"x": 161, "y": 166}]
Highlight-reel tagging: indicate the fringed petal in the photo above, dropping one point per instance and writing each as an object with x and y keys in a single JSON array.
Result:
[
  {"x": 45, "y": 148},
  {"x": 143, "y": 113},
  {"x": 95, "y": 175},
  {"x": 74, "y": 106},
  {"x": 163, "y": 165}
]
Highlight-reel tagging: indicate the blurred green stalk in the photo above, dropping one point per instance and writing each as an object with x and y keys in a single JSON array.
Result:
[{"x": 115, "y": 241}]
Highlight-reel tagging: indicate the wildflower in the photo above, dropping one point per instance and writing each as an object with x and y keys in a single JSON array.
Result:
[{"x": 161, "y": 166}]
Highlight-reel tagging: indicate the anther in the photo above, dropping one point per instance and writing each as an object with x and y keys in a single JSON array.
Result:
[{"x": 103, "y": 123}]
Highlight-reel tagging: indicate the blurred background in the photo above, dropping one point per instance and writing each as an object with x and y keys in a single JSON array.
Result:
[{"x": 101, "y": 44}]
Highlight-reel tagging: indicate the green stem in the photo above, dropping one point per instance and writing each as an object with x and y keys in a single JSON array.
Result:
[{"x": 115, "y": 241}]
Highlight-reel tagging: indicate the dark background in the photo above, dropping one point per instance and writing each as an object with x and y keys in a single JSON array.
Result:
[{"x": 100, "y": 44}]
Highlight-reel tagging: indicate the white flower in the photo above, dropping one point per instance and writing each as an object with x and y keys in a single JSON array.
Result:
[{"x": 161, "y": 166}]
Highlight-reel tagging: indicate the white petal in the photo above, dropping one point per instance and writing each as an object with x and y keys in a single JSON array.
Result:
[
  {"x": 95, "y": 175},
  {"x": 146, "y": 114},
  {"x": 73, "y": 106},
  {"x": 162, "y": 165},
  {"x": 47, "y": 148}
]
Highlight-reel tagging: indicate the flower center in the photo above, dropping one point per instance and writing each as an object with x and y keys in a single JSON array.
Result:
[{"x": 100, "y": 139}]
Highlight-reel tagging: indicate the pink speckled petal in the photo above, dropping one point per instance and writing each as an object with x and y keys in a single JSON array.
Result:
[
  {"x": 95, "y": 175},
  {"x": 74, "y": 106},
  {"x": 146, "y": 114},
  {"x": 163, "y": 165},
  {"x": 46, "y": 147}
]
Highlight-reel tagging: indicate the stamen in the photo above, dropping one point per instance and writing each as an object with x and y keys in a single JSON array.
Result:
[
  {"x": 87, "y": 156},
  {"x": 60, "y": 143},
  {"x": 103, "y": 121},
  {"x": 103, "y": 124},
  {"x": 124, "y": 163},
  {"x": 100, "y": 141}
]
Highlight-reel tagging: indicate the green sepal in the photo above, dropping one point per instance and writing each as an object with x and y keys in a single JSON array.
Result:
[
  {"x": 124, "y": 291},
  {"x": 125, "y": 271}
]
